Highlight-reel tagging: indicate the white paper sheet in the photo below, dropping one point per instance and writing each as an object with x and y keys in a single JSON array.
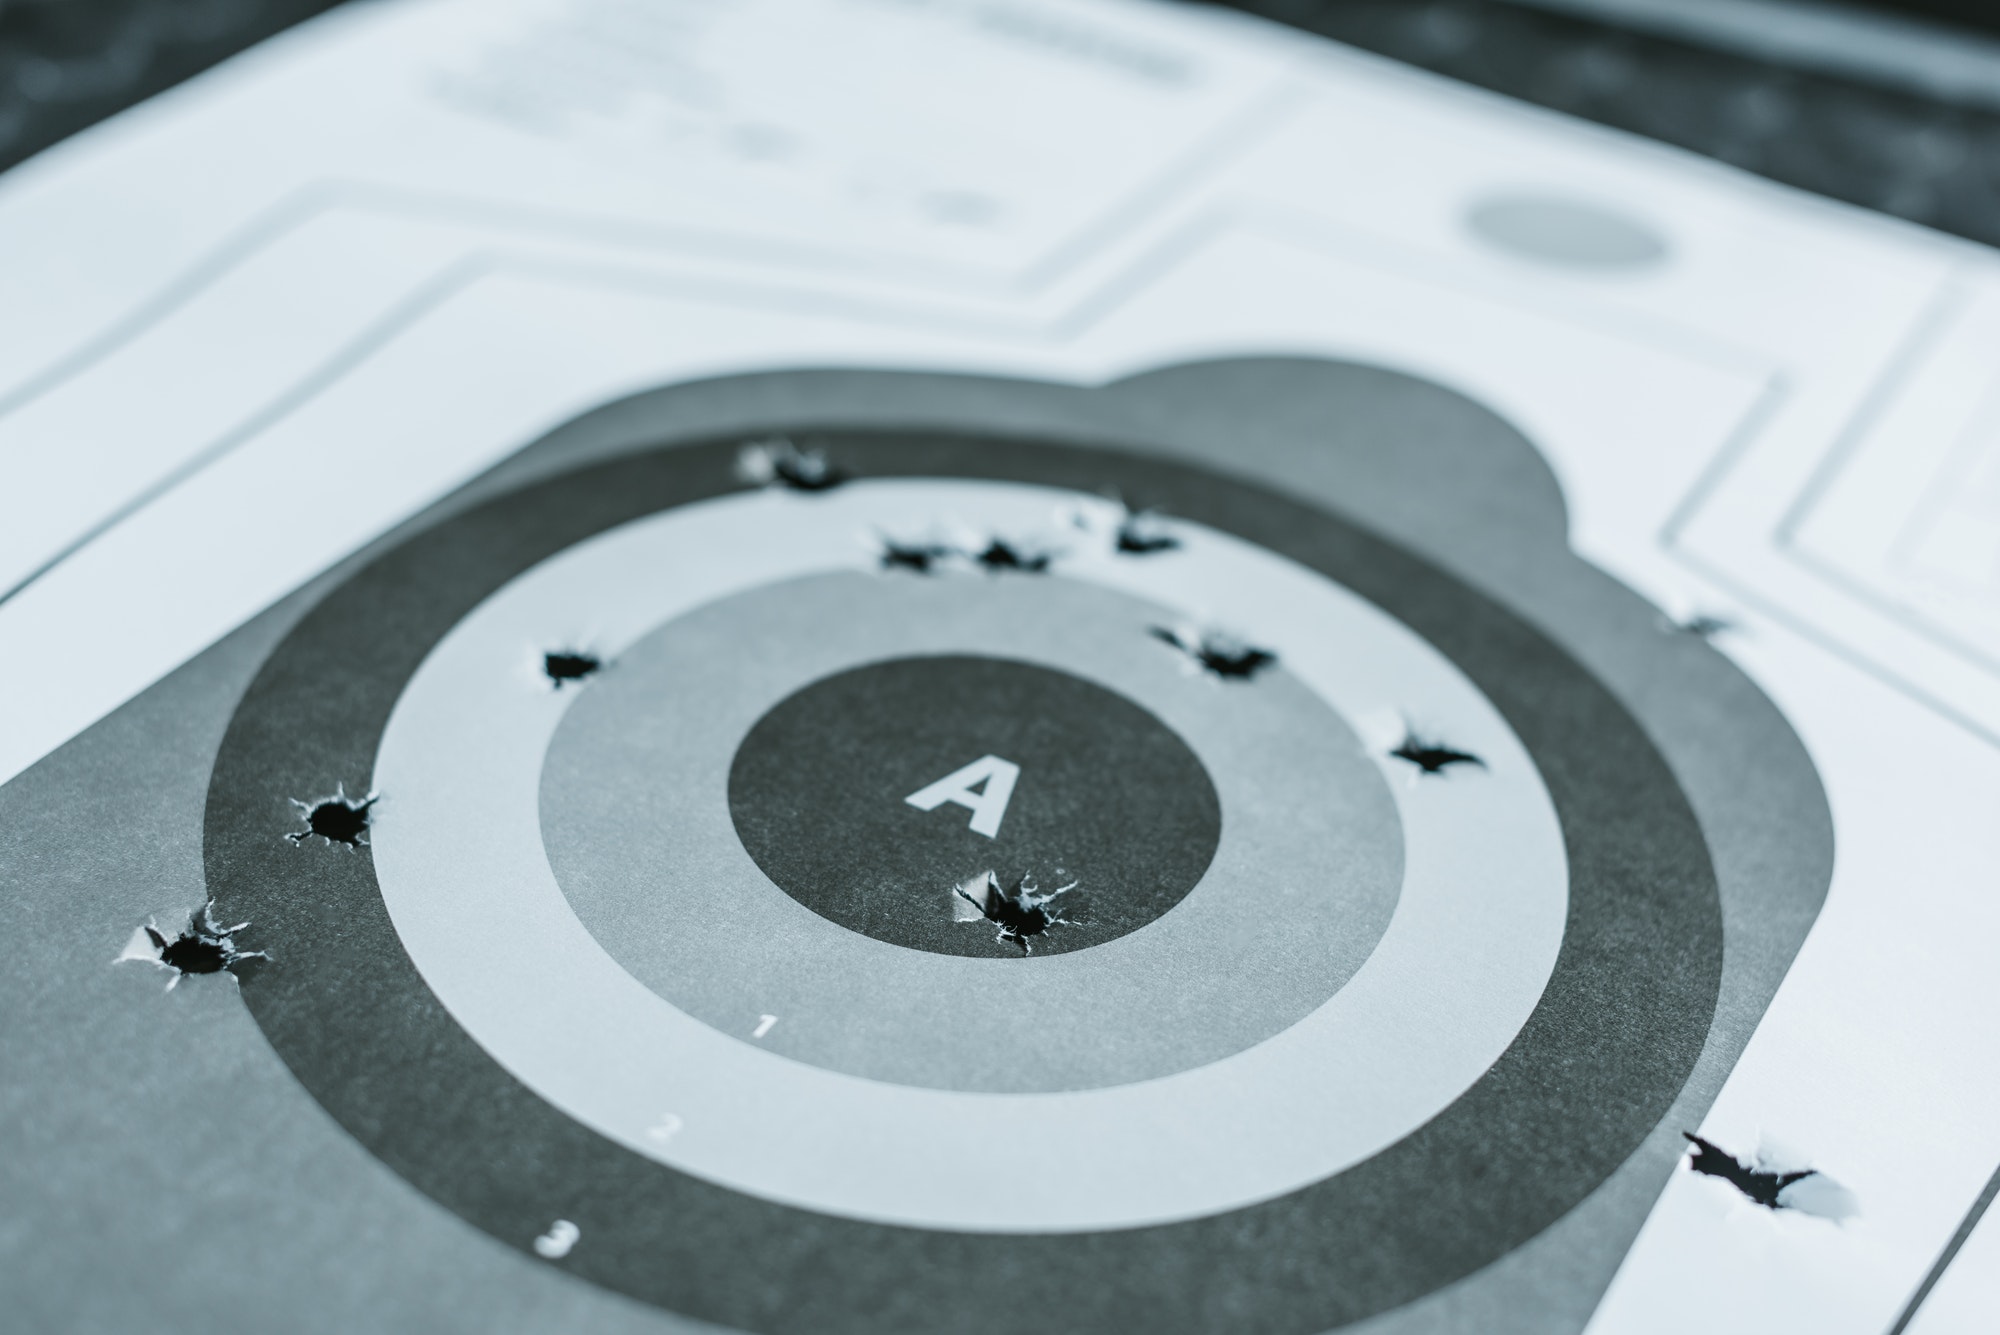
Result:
[{"x": 259, "y": 321}]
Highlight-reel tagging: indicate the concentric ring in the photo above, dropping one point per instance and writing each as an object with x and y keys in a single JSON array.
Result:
[
  {"x": 1462, "y": 965},
  {"x": 1601, "y": 1057},
  {"x": 640, "y": 845}
]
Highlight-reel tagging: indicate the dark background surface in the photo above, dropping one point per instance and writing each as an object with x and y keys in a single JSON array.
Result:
[
  {"x": 65, "y": 64},
  {"x": 1922, "y": 158},
  {"x": 1975, "y": 13}
]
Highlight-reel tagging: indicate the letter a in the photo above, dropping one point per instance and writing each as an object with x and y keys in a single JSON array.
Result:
[{"x": 987, "y": 806}]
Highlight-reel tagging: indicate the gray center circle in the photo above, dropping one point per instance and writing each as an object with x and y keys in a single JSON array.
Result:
[
  {"x": 1568, "y": 233},
  {"x": 637, "y": 827},
  {"x": 865, "y": 794}
]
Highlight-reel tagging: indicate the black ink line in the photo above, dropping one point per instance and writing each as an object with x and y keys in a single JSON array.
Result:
[
  {"x": 1776, "y": 391},
  {"x": 1751, "y": 597},
  {"x": 231, "y": 253},
  {"x": 1845, "y": 582},
  {"x": 1953, "y": 294},
  {"x": 1905, "y": 360},
  {"x": 371, "y": 340},
  {"x": 1150, "y": 199},
  {"x": 1949, "y": 1254}
]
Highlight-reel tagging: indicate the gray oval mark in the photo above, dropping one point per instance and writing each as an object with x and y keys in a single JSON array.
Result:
[{"x": 1565, "y": 232}]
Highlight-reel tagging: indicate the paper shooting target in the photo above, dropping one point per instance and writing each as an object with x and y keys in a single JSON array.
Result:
[{"x": 1386, "y": 930}]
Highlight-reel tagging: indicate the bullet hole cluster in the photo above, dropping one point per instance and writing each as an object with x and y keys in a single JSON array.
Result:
[{"x": 993, "y": 554}]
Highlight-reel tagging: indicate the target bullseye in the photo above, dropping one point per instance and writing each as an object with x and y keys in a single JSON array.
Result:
[
  {"x": 1098, "y": 794},
  {"x": 645, "y": 846},
  {"x": 1475, "y": 930},
  {"x": 470, "y": 949}
]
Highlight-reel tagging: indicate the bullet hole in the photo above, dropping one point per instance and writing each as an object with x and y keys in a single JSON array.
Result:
[
  {"x": 778, "y": 462},
  {"x": 201, "y": 947},
  {"x": 1019, "y": 912},
  {"x": 1221, "y": 654},
  {"x": 1770, "y": 1184},
  {"x": 1705, "y": 626},
  {"x": 565, "y": 666},
  {"x": 339, "y": 819},
  {"x": 995, "y": 555},
  {"x": 921, "y": 557},
  {"x": 1701, "y": 625},
  {"x": 558, "y": 1241},
  {"x": 1433, "y": 757},
  {"x": 1144, "y": 533},
  {"x": 1762, "y": 1187},
  {"x": 1000, "y": 554}
]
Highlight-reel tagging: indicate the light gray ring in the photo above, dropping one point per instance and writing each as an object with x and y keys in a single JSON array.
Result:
[
  {"x": 1476, "y": 933},
  {"x": 636, "y": 823}
]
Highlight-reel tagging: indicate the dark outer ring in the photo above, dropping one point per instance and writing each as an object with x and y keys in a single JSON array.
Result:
[{"x": 1597, "y": 1065}]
